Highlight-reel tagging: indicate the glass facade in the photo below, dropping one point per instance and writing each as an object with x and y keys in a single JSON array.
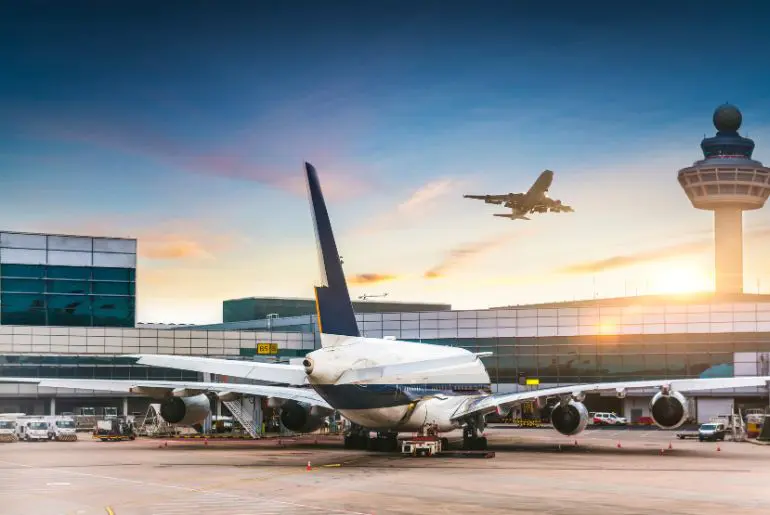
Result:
[
  {"x": 75, "y": 281},
  {"x": 67, "y": 295},
  {"x": 258, "y": 308},
  {"x": 581, "y": 344},
  {"x": 87, "y": 367}
]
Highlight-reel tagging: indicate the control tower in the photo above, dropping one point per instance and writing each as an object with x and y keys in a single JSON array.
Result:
[{"x": 727, "y": 181}]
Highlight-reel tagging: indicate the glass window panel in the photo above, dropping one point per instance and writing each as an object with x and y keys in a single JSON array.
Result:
[
  {"x": 69, "y": 272},
  {"x": 31, "y": 271},
  {"x": 610, "y": 366},
  {"x": 23, "y": 285},
  {"x": 73, "y": 287},
  {"x": 113, "y": 274},
  {"x": 22, "y": 309},
  {"x": 69, "y": 310},
  {"x": 112, "y": 288},
  {"x": 113, "y": 311}
]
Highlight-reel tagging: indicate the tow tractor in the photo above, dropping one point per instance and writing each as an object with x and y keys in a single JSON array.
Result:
[
  {"x": 430, "y": 444},
  {"x": 114, "y": 429}
]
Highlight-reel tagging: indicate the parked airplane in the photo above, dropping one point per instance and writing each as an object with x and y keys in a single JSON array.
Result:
[
  {"x": 535, "y": 200},
  {"x": 381, "y": 385}
]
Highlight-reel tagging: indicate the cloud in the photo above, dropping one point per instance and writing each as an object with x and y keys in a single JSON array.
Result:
[
  {"x": 275, "y": 167},
  {"x": 463, "y": 254},
  {"x": 655, "y": 254},
  {"x": 419, "y": 203},
  {"x": 170, "y": 240},
  {"x": 158, "y": 244},
  {"x": 360, "y": 279},
  {"x": 625, "y": 260}
]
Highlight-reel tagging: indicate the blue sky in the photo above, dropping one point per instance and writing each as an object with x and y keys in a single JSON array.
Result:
[{"x": 185, "y": 125}]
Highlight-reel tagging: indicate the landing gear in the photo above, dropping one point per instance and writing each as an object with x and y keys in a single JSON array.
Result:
[
  {"x": 472, "y": 439},
  {"x": 359, "y": 438}
]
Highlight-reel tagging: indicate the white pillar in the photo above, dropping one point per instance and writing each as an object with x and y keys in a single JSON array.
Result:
[
  {"x": 728, "y": 246},
  {"x": 53, "y": 405},
  {"x": 125, "y": 406}
]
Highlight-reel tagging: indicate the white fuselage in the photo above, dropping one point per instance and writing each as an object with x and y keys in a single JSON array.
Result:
[{"x": 407, "y": 401}]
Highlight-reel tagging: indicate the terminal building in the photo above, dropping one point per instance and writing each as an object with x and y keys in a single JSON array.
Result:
[{"x": 67, "y": 310}]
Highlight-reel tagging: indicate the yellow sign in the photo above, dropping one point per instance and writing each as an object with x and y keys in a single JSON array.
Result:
[
  {"x": 267, "y": 348},
  {"x": 532, "y": 382}
]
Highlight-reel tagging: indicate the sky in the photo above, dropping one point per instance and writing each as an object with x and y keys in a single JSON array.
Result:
[{"x": 185, "y": 124}]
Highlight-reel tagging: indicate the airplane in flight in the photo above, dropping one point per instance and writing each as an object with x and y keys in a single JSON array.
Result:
[
  {"x": 535, "y": 200},
  {"x": 380, "y": 385}
]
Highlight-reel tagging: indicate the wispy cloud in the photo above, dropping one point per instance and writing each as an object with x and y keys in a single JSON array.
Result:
[
  {"x": 463, "y": 254},
  {"x": 655, "y": 254},
  {"x": 170, "y": 240},
  {"x": 234, "y": 161},
  {"x": 361, "y": 279},
  {"x": 419, "y": 203},
  {"x": 625, "y": 260}
]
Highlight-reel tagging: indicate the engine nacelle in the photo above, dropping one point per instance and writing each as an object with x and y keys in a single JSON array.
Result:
[
  {"x": 669, "y": 411},
  {"x": 569, "y": 419},
  {"x": 185, "y": 411},
  {"x": 302, "y": 418}
]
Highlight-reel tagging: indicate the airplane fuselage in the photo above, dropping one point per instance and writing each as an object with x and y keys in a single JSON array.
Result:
[{"x": 407, "y": 402}]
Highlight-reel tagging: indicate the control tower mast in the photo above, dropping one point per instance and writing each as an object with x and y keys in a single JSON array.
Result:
[{"x": 727, "y": 181}]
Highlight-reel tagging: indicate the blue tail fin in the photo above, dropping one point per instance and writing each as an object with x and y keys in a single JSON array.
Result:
[{"x": 333, "y": 306}]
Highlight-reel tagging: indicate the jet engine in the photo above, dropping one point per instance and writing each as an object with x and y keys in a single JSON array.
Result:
[
  {"x": 569, "y": 419},
  {"x": 186, "y": 411},
  {"x": 302, "y": 418},
  {"x": 669, "y": 410}
]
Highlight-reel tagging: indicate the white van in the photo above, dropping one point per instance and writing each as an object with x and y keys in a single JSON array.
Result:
[
  {"x": 8, "y": 430},
  {"x": 32, "y": 429},
  {"x": 61, "y": 429}
]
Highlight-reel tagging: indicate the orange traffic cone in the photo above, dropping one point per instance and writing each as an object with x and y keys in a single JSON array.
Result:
[
  {"x": 165, "y": 444},
  {"x": 576, "y": 443},
  {"x": 308, "y": 466},
  {"x": 206, "y": 441},
  {"x": 619, "y": 447},
  {"x": 718, "y": 449},
  {"x": 670, "y": 446}
]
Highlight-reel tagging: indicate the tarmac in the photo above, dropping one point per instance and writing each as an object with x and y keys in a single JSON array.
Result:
[{"x": 534, "y": 471}]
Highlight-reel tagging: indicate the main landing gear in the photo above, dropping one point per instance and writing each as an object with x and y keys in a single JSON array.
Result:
[
  {"x": 360, "y": 438},
  {"x": 472, "y": 439}
]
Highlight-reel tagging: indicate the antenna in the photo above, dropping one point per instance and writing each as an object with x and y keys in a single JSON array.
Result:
[{"x": 366, "y": 296}]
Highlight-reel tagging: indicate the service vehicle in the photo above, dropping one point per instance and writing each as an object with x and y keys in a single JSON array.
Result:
[
  {"x": 114, "y": 429},
  {"x": 712, "y": 431},
  {"x": 8, "y": 430},
  {"x": 608, "y": 419},
  {"x": 32, "y": 429},
  {"x": 62, "y": 429}
]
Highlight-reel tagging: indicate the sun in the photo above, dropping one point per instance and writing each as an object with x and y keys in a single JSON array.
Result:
[{"x": 680, "y": 278}]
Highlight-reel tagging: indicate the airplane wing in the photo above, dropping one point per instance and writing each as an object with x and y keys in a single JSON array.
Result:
[
  {"x": 490, "y": 403},
  {"x": 166, "y": 388},
  {"x": 267, "y": 372},
  {"x": 489, "y": 199}
]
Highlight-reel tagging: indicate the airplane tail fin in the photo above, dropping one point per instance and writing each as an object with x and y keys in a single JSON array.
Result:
[{"x": 333, "y": 306}]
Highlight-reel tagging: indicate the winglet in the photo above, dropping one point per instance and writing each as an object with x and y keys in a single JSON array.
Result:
[{"x": 333, "y": 305}]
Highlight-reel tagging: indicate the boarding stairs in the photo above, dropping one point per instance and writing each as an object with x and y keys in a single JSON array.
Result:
[{"x": 243, "y": 410}]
